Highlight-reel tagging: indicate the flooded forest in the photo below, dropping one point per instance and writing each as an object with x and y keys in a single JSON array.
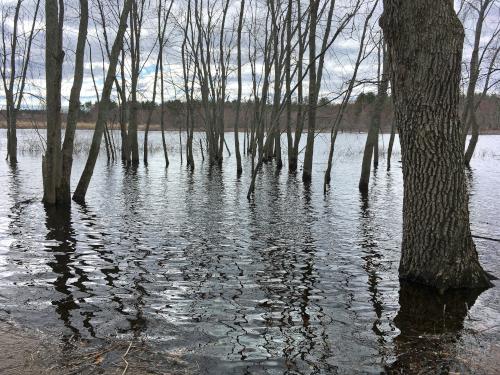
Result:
[{"x": 249, "y": 187}]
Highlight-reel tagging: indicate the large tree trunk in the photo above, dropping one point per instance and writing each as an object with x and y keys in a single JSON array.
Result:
[{"x": 425, "y": 40}]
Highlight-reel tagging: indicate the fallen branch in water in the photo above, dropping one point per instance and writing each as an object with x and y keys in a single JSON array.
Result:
[
  {"x": 123, "y": 357},
  {"x": 486, "y": 238}
]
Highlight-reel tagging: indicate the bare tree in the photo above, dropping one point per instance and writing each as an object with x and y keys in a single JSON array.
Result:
[
  {"x": 136, "y": 23},
  {"x": 469, "y": 119},
  {"x": 311, "y": 111},
  {"x": 316, "y": 72},
  {"x": 162, "y": 21},
  {"x": 15, "y": 54},
  {"x": 347, "y": 96},
  {"x": 104, "y": 105},
  {"x": 373, "y": 131},
  {"x": 239, "y": 169}
]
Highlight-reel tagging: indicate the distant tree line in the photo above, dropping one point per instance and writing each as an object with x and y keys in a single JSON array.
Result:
[{"x": 356, "y": 117}]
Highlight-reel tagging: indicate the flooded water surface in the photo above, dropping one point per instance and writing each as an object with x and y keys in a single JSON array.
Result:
[{"x": 294, "y": 281}]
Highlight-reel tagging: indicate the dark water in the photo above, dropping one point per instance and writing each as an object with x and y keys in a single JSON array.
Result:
[{"x": 294, "y": 282}]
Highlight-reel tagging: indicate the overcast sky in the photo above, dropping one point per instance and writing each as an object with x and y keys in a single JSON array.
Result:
[{"x": 338, "y": 63}]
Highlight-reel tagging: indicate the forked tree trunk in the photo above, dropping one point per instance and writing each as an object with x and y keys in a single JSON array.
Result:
[{"x": 425, "y": 40}]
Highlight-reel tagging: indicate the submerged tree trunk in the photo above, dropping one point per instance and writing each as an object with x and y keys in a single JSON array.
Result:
[
  {"x": 371, "y": 148},
  {"x": 473, "y": 139},
  {"x": 135, "y": 53},
  {"x": 299, "y": 125},
  {"x": 104, "y": 105},
  {"x": 391, "y": 145},
  {"x": 425, "y": 40},
  {"x": 151, "y": 109},
  {"x": 345, "y": 100},
  {"x": 15, "y": 82},
  {"x": 311, "y": 114},
  {"x": 63, "y": 192},
  {"x": 54, "y": 55},
  {"x": 239, "y": 169}
]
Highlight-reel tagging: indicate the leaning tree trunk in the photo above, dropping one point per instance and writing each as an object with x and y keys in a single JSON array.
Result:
[
  {"x": 391, "y": 144},
  {"x": 104, "y": 106},
  {"x": 425, "y": 40}
]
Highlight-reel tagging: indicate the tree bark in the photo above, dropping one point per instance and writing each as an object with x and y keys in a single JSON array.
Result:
[{"x": 425, "y": 40}]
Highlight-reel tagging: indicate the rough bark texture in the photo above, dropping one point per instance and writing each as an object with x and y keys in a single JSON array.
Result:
[{"x": 425, "y": 40}]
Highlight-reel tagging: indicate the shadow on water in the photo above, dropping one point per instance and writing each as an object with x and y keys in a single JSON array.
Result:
[
  {"x": 372, "y": 258},
  {"x": 62, "y": 244},
  {"x": 430, "y": 325}
]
